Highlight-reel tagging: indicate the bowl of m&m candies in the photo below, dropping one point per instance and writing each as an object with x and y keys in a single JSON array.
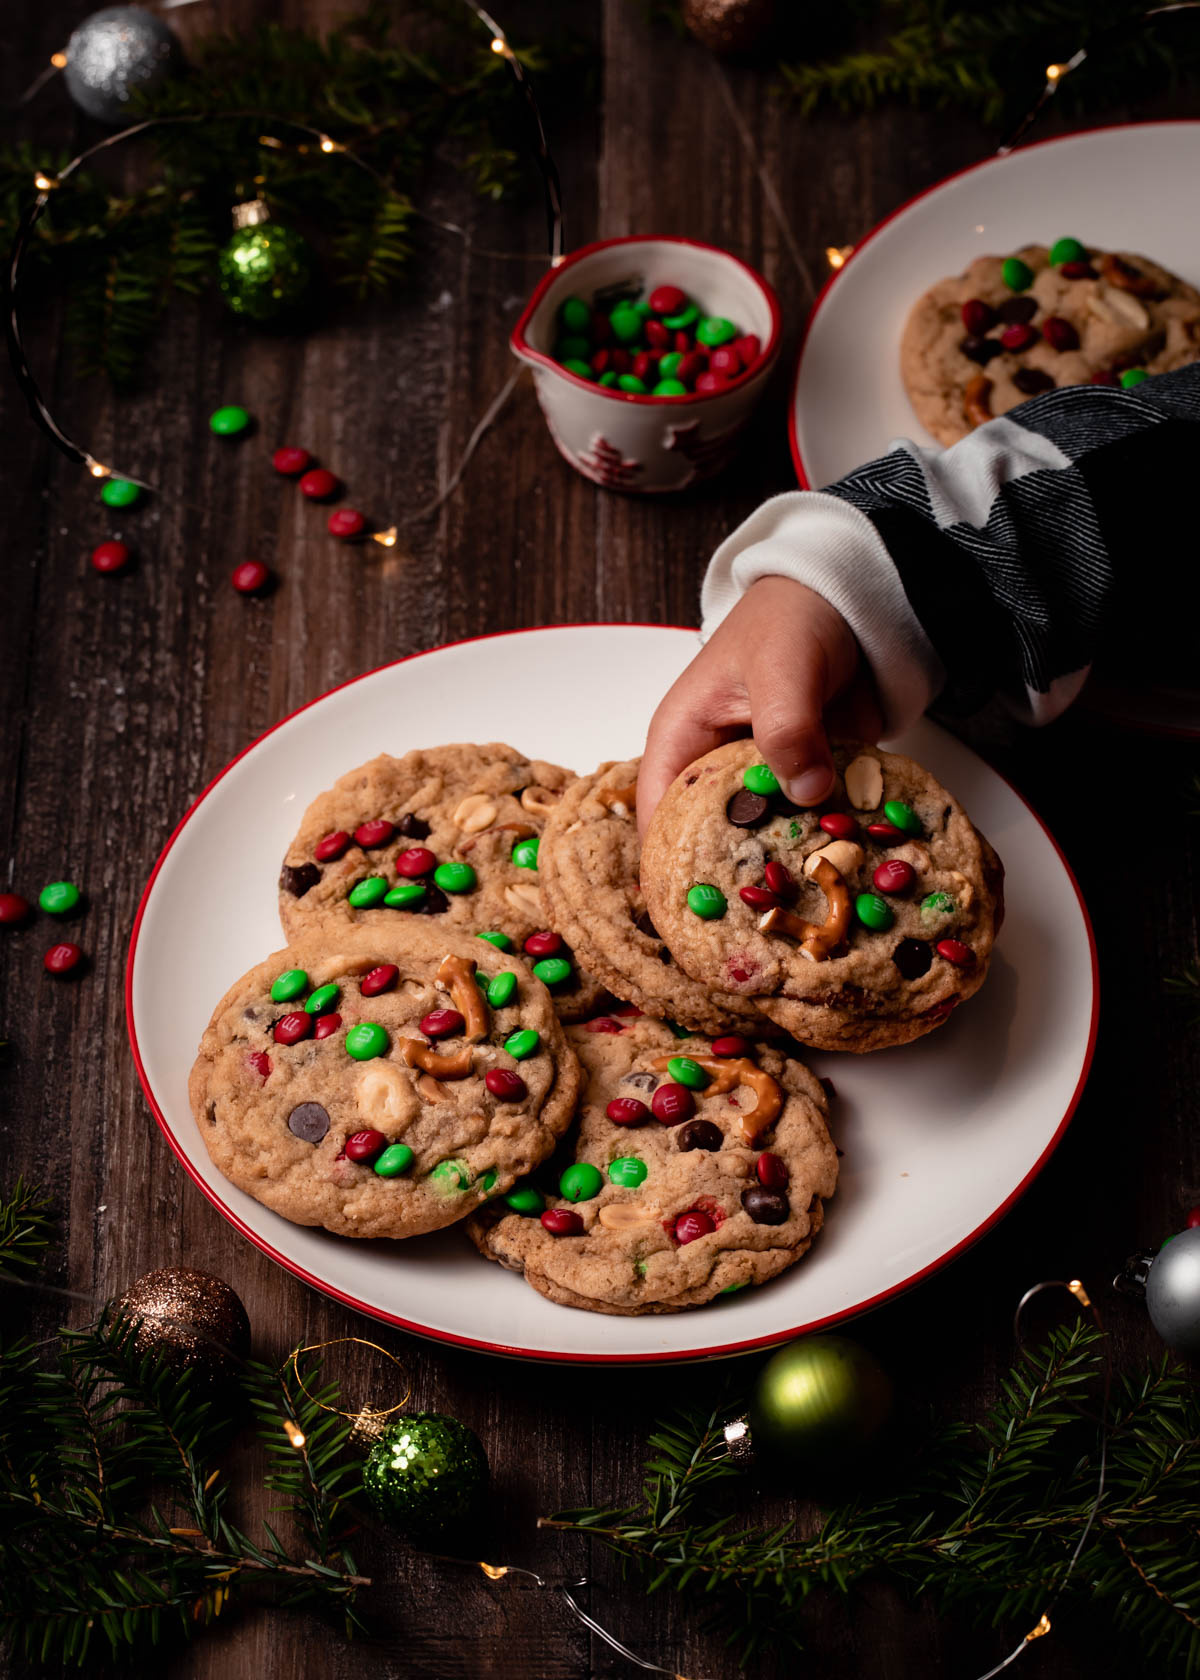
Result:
[{"x": 648, "y": 357}]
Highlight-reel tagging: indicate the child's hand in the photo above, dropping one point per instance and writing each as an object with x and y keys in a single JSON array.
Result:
[{"x": 774, "y": 665}]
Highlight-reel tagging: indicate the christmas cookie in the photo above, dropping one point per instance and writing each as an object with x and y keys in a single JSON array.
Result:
[
  {"x": 589, "y": 865},
  {"x": 854, "y": 926},
  {"x": 698, "y": 1168},
  {"x": 383, "y": 1083},
  {"x": 451, "y": 834},
  {"x": 979, "y": 343}
]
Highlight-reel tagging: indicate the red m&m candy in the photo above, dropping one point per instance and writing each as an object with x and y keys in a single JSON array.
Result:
[
  {"x": 346, "y": 522},
  {"x": 417, "y": 860},
  {"x": 380, "y": 979},
  {"x": 731, "y": 1045},
  {"x": 725, "y": 360},
  {"x": 667, "y": 300},
  {"x": 894, "y": 876},
  {"x": 672, "y": 1103},
  {"x": 562, "y": 1222},
  {"x": 711, "y": 381},
  {"x": 1019, "y": 336},
  {"x": 779, "y": 877},
  {"x": 290, "y": 462},
  {"x": 290, "y": 1029},
  {"x": 954, "y": 951},
  {"x": 440, "y": 1023},
  {"x": 364, "y": 1146},
  {"x": 110, "y": 556},
  {"x": 748, "y": 348},
  {"x": 376, "y": 833},
  {"x": 13, "y": 909},
  {"x": 508, "y": 1086},
  {"x": 658, "y": 337},
  {"x": 978, "y": 316},
  {"x": 758, "y": 898},
  {"x": 691, "y": 1225},
  {"x": 839, "y": 825},
  {"x": 61, "y": 959},
  {"x": 771, "y": 1170},
  {"x": 544, "y": 944},
  {"x": 250, "y": 577},
  {"x": 324, "y": 1025},
  {"x": 886, "y": 834},
  {"x": 260, "y": 1062},
  {"x": 319, "y": 484},
  {"x": 627, "y": 1111},
  {"x": 332, "y": 846}
]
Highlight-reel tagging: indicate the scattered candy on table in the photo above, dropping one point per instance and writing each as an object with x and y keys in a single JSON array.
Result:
[
  {"x": 120, "y": 493},
  {"x": 13, "y": 909},
  {"x": 230, "y": 421},
  {"x": 346, "y": 522},
  {"x": 291, "y": 462},
  {"x": 61, "y": 959},
  {"x": 251, "y": 577},
  {"x": 59, "y": 898},
  {"x": 110, "y": 557},
  {"x": 660, "y": 347},
  {"x": 319, "y": 484}
]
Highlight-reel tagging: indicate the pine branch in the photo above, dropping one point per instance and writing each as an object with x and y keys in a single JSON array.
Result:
[{"x": 26, "y": 1223}]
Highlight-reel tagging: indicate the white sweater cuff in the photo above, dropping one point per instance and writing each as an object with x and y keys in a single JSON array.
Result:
[{"x": 832, "y": 547}]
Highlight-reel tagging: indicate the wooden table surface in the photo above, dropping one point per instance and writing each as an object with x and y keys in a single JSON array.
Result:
[{"x": 123, "y": 697}]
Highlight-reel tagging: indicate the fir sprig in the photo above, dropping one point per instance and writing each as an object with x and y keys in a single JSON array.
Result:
[
  {"x": 26, "y": 1226},
  {"x": 986, "y": 1518}
]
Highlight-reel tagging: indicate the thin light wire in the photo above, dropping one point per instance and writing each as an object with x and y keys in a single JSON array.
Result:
[
  {"x": 1043, "y": 1625},
  {"x": 293, "y": 1360},
  {"x": 482, "y": 427}
]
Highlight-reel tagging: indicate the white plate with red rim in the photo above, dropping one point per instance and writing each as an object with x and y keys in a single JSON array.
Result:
[
  {"x": 940, "y": 1137},
  {"x": 848, "y": 402}
]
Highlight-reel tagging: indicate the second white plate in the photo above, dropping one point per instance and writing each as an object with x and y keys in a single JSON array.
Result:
[{"x": 939, "y": 1137}]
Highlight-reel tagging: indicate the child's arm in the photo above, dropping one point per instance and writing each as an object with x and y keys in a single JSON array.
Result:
[{"x": 978, "y": 570}]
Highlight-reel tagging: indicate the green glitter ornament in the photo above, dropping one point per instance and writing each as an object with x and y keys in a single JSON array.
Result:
[
  {"x": 265, "y": 272},
  {"x": 426, "y": 1476}
]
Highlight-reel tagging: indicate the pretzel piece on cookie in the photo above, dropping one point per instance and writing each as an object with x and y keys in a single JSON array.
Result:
[{"x": 818, "y": 941}]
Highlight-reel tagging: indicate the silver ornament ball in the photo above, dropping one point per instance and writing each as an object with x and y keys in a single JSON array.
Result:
[
  {"x": 1173, "y": 1293},
  {"x": 113, "y": 52}
]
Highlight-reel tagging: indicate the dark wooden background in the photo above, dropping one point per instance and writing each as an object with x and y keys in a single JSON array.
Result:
[{"x": 121, "y": 697}]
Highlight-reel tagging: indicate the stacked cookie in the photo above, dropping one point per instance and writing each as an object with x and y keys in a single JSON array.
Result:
[{"x": 493, "y": 1008}]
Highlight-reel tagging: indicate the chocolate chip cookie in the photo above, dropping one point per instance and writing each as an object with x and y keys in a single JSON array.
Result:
[
  {"x": 698, "y": 1168},
  {"x": 450, "y": 833},
  {"x": 384, "y": 1082},
  {"x": 978, "y": 343},
  {"x": 589, "y": 867},
  {"x": 854, "y": 926}
]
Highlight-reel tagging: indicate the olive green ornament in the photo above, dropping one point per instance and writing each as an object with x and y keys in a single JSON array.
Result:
[
  {"x": 819, "y": 1406},
  {"x": 265, "y": 272},
  {"x": 426, "y": 1476}
]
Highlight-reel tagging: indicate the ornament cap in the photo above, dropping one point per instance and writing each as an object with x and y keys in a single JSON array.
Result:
[
  {"x": 251, "y": 213},
  {"x": 367, "y": 1426},
  {"x": 738, "y": 1441}
]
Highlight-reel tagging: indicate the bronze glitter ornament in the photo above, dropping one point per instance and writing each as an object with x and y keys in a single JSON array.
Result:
[
  {"x": 729, "y": 26},
  {"x": 194, "y": 1322}
]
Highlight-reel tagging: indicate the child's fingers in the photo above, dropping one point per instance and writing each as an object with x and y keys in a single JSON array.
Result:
[
  {"x": 688, "y": 723},
  {"x": 789, "y": 683}
]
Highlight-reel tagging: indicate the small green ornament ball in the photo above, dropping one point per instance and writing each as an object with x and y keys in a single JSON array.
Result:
[
  {"x": 426, "y": 1476},
  {"x": 265, "y": 272},
  {"x": 819, "y": 1405}
]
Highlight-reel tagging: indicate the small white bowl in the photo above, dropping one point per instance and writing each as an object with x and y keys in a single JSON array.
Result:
[{"x": 647, "y": 444}]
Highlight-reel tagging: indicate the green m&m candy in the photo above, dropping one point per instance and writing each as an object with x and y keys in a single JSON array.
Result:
[
  {"x": 731, "y": 1288},
  {"x": 405, "y": 897},
  {"x": 396, "y": 1158},
  {"x": 487, "y": 1181},
  {"x": 455, "y": 877},
  {"x": 366, "y": 1041},
  {"x": 760, "y": 778},
  {"x": 668, "y": 366},
  {"x": 59, "y": 898},
  {"x": 289, "y": 984},
  {"x": 500, "y": 940},
  {"x": 575, "y": 316},
  {"x": 626, "y": 323},
  {"x": 684, "y": 1071},
  {"x": 580, "y": 1182},
  {"x": 1017, "y": 275},
  {"x": 228, "y": 421},
  {"x": 120, "y": 493},
  {"x": 580, "y": 369},
  {"x": 521, "y": 1044},
  {"x": 902, "y": 816},
  {"x": 1067, "y": 250},
  {"x": 714, "y": 330},
  {"x": 873, "y": 911},
  {"x": 669, "y": 388},
  {"x": 706, "y": 901},
  {"x": 524, "y": 854},
  {"x": 642, "y": 308},
  {"x": 576, "y": 348},
  {"x": 608, "y": 379},
  {"x": 501, "y": 989},
  {"x": 320, "y": 1000},
  {"x": 364, "y": 895},
  {"x": 1132, "y": 377},
  {"x": 682, "y": 317},
  {"x": 630, "y": 382},
  {"x": 937, "y": 904},
  {"x": 525, "y": 1199},
  {"x": 628, "y": 1171},
  {"x": 552, "y": 971},
  {"x": 451, "y": 1176}
]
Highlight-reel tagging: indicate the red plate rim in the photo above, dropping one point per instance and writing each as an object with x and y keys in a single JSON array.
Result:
[
  {"x": 926, "y": 192},
  {"x": 717, "y": 1350}
]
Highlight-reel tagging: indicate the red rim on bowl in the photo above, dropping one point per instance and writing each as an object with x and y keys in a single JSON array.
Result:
[
  {"x": 718, "y": 1349},
  {"x": 985, "y": 163},
  {"x": 521, "y": 346}
]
